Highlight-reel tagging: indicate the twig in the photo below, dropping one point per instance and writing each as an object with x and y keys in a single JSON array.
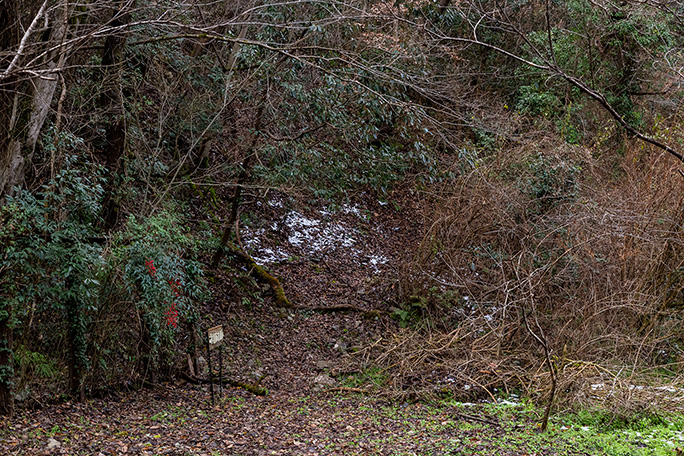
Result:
[
  {"x": 541, "y": 339},
  {"x": 347, "y": 390},
  {"x": 24, "y": 39}
]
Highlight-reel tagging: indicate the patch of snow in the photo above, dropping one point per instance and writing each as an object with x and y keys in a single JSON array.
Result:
[
  {"x": 313, "y": 235},
  {"x": 377, "y": 259},
  {"x": 296, "y": 220},
  {"x": 266, "y": 255},
  {"x": 490, "y": 316},
  {"x": 374, "y": 261},
  {"x": 347, "y": 209},
  {"x": 669, "y": 389}
]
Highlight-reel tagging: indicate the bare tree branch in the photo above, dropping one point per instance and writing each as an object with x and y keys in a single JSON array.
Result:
[{"x": 24, "y": 41}]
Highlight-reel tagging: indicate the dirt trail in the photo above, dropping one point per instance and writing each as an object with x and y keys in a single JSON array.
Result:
[{"x": 325, "y": 257}]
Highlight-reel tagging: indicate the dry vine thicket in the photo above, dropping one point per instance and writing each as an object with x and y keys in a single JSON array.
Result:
[{"x": 584, "y": 262}]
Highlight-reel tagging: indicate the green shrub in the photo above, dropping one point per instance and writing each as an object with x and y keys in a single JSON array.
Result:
[{"x": 64, "y": 283}]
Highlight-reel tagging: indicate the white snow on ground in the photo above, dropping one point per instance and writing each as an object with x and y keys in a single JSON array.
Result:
[
  {"x": 311, "y": 236},
  {"x": 671, "y": 397},
  {"x": 347, "y": 209},
  {"x": 267, "y": 255},
  {"x": 314, "y": 235},
  {"x": 377, "y": 259}
]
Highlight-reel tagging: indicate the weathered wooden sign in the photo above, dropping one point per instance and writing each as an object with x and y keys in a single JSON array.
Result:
[{"x": 215, "y": 336}]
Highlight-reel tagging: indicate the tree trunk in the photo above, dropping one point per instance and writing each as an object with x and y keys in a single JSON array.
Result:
[
  {"x": 237, "y": 196},
  {"x": 11, "y": 169},
  {"x": 18, "y": 139},
  {"x": 11, "y": 161},
  {"x": 147, "y": 356},
  {"x": 6, "y": 366},
  {"x": 112, "y": 103},
  {"x": 75, "y": 363}
]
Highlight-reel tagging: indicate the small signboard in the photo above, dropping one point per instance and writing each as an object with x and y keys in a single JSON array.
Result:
[{"x": 215, "y": 336}]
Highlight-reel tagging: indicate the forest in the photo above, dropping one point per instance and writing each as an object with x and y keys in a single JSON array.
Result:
[{"x": 413, "y": 200}]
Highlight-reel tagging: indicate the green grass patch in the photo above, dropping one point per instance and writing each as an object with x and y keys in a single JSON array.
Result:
[{"x": 373, "y": 377}]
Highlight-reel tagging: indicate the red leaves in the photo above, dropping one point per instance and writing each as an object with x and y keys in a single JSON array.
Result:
[
  {"x": 171, "y": 313},
  {"x": 172, "y": 316},
  {"x": 150, "y": 268}
]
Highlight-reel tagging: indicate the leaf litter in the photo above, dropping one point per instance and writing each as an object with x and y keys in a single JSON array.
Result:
[{"x": 323, "y": 258}]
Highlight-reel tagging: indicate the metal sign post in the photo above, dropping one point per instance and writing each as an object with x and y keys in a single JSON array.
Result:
[{"x": 214, "y": 340}]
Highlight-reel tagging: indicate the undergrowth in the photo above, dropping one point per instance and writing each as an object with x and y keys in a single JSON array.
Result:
[{"x": 534, "y": 276}]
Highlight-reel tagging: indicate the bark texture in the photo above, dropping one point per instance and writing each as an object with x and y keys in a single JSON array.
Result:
[{"x": 20, "y": 131}]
